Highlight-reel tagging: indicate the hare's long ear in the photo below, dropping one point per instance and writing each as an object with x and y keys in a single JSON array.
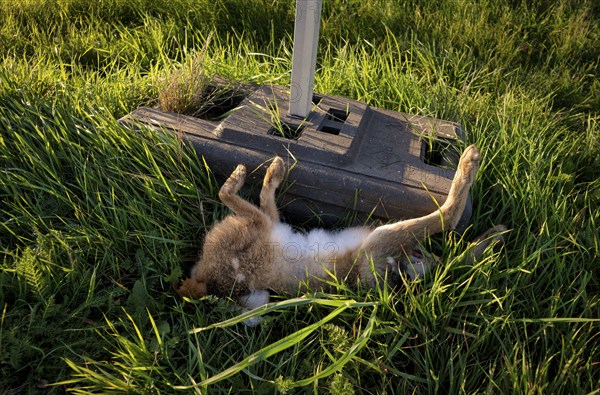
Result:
[
  {"x": 229, "y": 197},
  {"x": 272, "y": 179}
]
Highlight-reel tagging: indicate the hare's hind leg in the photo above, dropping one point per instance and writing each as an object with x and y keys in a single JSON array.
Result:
[
  {"x": 455, "y": 203},
  {"x": 446, "y": 217},
  {"x": 229, "y": 197},
  {"x": 391, "y": 240},
  {"x": 272, "y": 179}
]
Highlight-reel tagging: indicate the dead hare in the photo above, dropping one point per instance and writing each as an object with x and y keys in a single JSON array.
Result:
[{"x": 251, "y": 252}]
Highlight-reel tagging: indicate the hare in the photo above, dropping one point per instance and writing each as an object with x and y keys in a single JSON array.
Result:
[{"x": 251, "y": 252}]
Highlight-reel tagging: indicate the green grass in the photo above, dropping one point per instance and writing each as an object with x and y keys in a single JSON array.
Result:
[{"x": 97, "y": 220}]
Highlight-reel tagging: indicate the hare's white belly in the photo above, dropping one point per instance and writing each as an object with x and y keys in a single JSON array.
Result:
[{"x": 297, "y": 253}]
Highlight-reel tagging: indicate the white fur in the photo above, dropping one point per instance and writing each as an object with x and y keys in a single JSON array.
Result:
[
  {"x": 418, "y": 269},
  {"x": 255, "y": 298},
  {"x": 239, "y": 277},
  {"x": 298, "y": 253},
  {"x": 251, "y": 301}
]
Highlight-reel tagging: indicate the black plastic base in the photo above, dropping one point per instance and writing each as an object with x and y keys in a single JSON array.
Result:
[{"x": 344, "y": 156}]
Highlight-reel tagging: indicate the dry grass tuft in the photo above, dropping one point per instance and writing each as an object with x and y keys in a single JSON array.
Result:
[
  {"x": 190, "y": 91},
  {"x": 183, "y": 90}
]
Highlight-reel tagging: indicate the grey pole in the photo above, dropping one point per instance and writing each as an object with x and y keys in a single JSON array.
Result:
[{"x": 306, "y": 40}]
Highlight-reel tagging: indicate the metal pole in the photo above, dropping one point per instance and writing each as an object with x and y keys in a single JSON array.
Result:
[{"x": 306, "y": 40}]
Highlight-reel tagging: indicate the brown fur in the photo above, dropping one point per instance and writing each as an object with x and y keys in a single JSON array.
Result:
[{"x": 242, "y": 255}]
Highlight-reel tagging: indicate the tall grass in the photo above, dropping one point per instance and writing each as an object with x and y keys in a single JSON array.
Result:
[{"x": 97, "y": 220}]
